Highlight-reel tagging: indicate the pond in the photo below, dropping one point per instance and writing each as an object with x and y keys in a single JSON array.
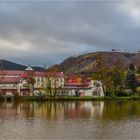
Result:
[{"x": 70, "y": 120}]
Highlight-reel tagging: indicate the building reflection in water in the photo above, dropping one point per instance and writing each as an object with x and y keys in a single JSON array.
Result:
[
  {"x": 51, "y": 110},
  {"x": 69, "y": 120},
  {"x": 67, "y": 110},
  {"x": 84, "y": 109}
]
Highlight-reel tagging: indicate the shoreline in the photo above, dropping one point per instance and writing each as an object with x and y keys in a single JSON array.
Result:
[{"x": 33, "y": 98}]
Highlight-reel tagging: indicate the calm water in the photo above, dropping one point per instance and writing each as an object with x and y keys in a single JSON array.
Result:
[{"x": 70, "y": 120}]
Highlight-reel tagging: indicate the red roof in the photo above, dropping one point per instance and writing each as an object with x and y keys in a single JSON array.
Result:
[
  {"x": 77, "y": 81},
  {"x": 24, "y": 75},
  {"x": 77, "y": 84},
  {"x": 12, "y": 72},
  {"x": 58, "y": 74},
  {"x": 17, "y": 75},
  {"x": 37, "y": 73},
  {"x": 41, "y": 74},
  {"x": 9, "y": 80}
]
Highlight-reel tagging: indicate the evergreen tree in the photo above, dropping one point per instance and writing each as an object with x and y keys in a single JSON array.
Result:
[{"x": 131, "y": 81}]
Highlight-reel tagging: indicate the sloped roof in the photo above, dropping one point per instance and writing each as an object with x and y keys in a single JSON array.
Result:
[
  {"x": 57, "y": 74},
  {"x": 12, "y": 72},
  {"x": 77, "y": 80},
  {"x": 17, "y": 75},
  {"x": 76, "y": 84},
  {"x": 9, "y": 80},
  {"x": 37, "y": 73}
]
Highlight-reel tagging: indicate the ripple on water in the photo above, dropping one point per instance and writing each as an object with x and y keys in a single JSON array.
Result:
[{"x": 70, "y": 120}]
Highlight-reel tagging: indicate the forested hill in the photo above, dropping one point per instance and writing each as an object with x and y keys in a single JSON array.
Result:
[
  {"x": 84, "y": 63},
  {"x": 87, "y": 63},
  {"x": 8, "y": 65}
]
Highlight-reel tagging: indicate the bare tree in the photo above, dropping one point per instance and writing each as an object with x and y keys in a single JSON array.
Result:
[
  {"x": 51, "y": 82},
  {"x": 30, "y": 81}
]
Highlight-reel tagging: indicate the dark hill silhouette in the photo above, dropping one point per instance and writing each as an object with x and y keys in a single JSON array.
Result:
[{"x": 8, "y": 65}]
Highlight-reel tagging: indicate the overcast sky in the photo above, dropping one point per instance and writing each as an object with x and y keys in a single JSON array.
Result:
[{"x": 47, "y": 32}]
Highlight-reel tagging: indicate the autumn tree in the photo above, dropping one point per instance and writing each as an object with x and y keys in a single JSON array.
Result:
[
  {"x": 111, "y": 77},
  {"x": 29, "y": 76},
  {"x": 51, "y": 82},
  {"x": 101, "y": 70},
  {"x": 117, "y": 80},
  {"x": 138, "y": 69}
]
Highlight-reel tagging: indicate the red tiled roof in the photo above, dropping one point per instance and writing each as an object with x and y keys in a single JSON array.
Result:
[
  {"x": 9, "y": 80},
  {"x": 37, "y": 73},
  {"x": 24, "y": 75},
  {"x": 76, "y": 84},
  {"x": 77, "y": 80},
  {"x": 58, "y": 74},
  {"x": 12, "y": 72}
]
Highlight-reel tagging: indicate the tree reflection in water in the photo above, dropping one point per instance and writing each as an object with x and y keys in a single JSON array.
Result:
[
  {"x": 70, "y": 120},
  {"x": 100, "y": 110}
]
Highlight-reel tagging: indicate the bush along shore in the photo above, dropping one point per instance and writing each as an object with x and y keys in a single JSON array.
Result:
[
  {"x": 116, "y": 84},
  {"x": 85, "y": 98}
]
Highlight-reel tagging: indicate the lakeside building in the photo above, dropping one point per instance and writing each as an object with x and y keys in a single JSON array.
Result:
[
  {"x": 30, "y": 82},
  {"x": 78, "y": 85}
]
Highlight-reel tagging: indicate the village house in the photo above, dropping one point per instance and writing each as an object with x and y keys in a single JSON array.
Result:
[
  {"x": 30, "y": 82},
  {"x": 76, "y": 85}
]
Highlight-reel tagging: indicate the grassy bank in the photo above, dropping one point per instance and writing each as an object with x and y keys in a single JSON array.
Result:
[
  {"x": 33, "y": 98},
  {"x": 61, "y": 98}
]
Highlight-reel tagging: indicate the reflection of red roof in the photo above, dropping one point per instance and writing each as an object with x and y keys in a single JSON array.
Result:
[{"x": 9, "y": 80}]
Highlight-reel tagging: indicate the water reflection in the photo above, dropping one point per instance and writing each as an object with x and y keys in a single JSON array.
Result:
[
  {"x": 69, "y": 120},
  {"x": 67, "y": 110},
  {"x": 117, "y": 110},
  {"x": 51, "y": 110}
]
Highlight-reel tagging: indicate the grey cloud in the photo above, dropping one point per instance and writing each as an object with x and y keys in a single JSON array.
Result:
[{"x": 47, "y": 32}]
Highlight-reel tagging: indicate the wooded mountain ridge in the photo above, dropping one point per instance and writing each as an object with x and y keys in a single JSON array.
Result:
[{"x": 86, "y": 63}]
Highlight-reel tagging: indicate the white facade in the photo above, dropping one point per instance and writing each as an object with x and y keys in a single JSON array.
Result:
[
  {"x": 16, "y": 83},
  {"x": 94, "y": 88}
]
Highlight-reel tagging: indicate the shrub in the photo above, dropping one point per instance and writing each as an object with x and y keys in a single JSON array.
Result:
[
  {"x": 122, "y": 94},
  {"x": 138, "y": 90},
  {"x": 107, "y": 93}
]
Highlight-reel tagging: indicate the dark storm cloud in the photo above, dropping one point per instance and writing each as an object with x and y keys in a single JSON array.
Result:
[{"x": 47, "y": 32}]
